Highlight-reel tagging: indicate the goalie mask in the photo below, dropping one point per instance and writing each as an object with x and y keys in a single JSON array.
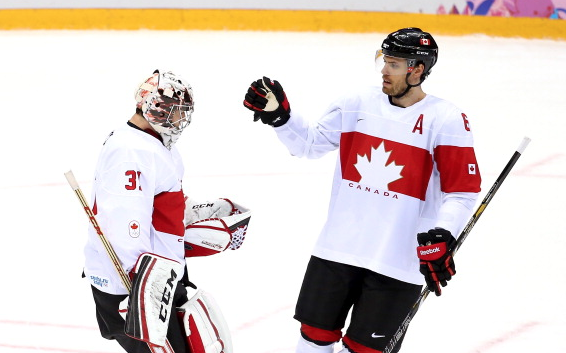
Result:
[{"x": 166, "y": 102}]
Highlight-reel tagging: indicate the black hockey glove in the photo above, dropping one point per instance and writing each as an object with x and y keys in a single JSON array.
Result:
[
  {"x": 435, "y": 254},
  {"x": 268, "y": 101}
]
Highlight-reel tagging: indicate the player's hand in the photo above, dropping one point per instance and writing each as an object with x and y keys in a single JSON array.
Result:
[
  {"x": 435, "y": 254},
  {"x": 268, "y": 101}
]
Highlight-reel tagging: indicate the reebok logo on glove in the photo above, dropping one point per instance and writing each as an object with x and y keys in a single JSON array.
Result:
[{"x": 430, "y": 251}]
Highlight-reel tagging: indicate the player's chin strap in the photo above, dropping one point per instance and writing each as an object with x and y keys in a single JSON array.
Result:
[
  {"x": 412, "y": 65},
  {"x": 409, "y": 86}
]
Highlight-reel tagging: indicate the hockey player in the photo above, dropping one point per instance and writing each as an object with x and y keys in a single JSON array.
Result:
[
  {"x": 138, "y": 200},
  {"x": 406, "y": 180}
]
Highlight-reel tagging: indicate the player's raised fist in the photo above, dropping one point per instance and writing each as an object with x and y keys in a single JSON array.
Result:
[{"x": 268, "y": 101}]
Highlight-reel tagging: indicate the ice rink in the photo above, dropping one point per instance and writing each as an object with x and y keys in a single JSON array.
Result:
[{"x": 63, "y": 92}]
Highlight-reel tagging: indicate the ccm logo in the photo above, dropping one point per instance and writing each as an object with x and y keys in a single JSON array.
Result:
[
  {"x": 203, "y": 205},
  {"x": 166, "y": 296}
]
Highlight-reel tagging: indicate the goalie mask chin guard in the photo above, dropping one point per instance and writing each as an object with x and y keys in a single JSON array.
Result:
[{"x": 166, "y": 102}]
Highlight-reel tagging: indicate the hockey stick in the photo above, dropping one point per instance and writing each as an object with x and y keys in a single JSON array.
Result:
[
  {"x": 107, "y": 246},
  {"x": 109, "y": 250},
  {"x": 463, "y": 235}
]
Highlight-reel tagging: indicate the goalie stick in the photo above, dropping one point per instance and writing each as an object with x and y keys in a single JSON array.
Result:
[
  {"x": 463, "y": 235},
  {"x": 110, "y": 251}
]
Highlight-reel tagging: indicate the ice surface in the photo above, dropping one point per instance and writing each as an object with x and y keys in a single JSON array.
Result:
[{"x": 62, "y": 92}]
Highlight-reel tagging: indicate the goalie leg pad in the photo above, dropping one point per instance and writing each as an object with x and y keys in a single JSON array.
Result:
[
  {"x": 151, "y": 298},
  {"x": 205, "y": 326}
]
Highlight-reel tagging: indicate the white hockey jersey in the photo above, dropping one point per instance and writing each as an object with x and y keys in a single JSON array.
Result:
[
  {"x": 400, "y": 171},
  {"x": 139, "y": 203}
]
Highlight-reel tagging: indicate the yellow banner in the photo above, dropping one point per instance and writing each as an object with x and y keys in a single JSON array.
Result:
[{"x": 277, "y": 20}]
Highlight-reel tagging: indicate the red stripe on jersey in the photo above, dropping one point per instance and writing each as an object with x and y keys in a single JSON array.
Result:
[
  {"x": 458, "y": 169},
  {"x": 398, "y": 167},
  {"x": 168, "y": 213}
]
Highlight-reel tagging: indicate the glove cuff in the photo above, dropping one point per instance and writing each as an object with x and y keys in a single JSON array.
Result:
[{"x": 281, "y": 120}]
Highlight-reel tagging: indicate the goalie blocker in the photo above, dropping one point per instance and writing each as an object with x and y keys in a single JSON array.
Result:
[
  {"x": 150, "y": 302},
  {"x": 150, "y": 307},
  {"x": 213, "y": 227}
]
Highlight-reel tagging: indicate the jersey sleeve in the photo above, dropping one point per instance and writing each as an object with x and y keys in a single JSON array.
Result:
[
  {"x": 455, "y": 157},
  {"x": 460, "y": 178},
  {"x": 312, "y": 139},
  {"x": 455, "y": 209}
]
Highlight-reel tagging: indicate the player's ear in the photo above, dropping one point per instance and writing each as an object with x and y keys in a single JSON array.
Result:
[{"x": 417, "y": 73}]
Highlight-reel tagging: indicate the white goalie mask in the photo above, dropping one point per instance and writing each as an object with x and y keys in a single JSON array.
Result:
[{"x": 166, "y": 101}]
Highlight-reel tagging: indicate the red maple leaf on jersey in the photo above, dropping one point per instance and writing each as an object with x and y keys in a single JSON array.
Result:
[
  {"x": 456, "y": 165},
  {"x": 417, "y": 162}
]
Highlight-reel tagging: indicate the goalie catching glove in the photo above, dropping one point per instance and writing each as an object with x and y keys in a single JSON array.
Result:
[
  {"x": 268, "y": 101},
  {"x": 213, "y": 227},
  {"x": 195, "y": 211},
  {"x": 435, "y": 254}
]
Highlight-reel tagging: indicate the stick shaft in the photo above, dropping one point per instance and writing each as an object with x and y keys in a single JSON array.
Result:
[
  {"x": 463, "y": 235},
  {"x": 107, "y": 246},
  {"x": 487, "y": 199}
]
